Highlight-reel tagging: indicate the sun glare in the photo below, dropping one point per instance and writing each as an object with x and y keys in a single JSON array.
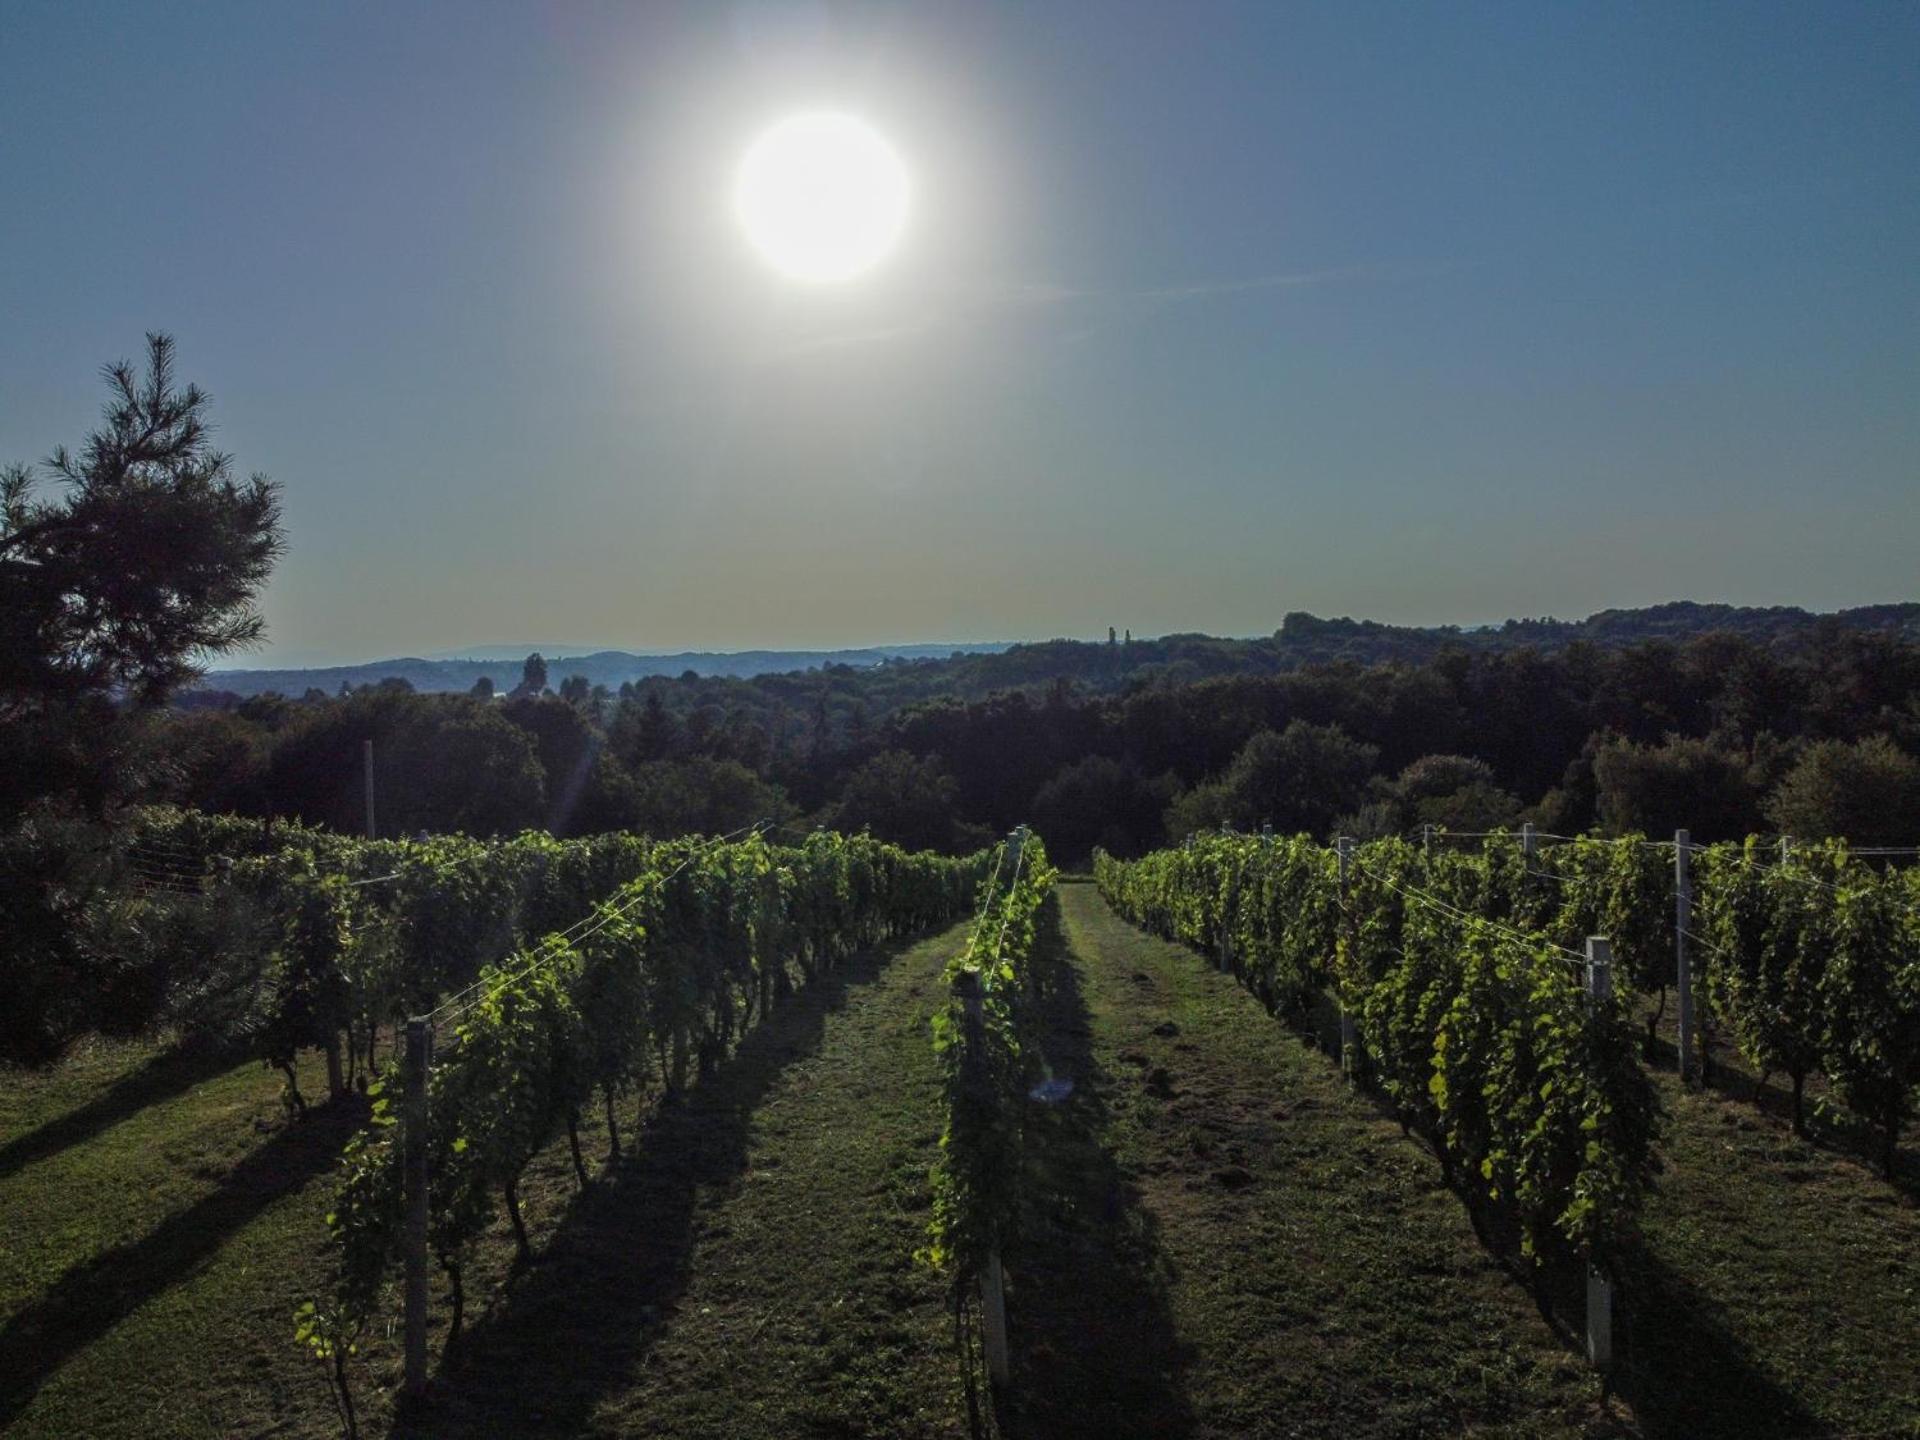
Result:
[{"x": 822, "y": 196}]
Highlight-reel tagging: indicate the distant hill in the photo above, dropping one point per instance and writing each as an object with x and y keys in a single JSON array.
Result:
[
  {"x": 1304, "y": 640},
  {"x": 891, "y": 676},
  {"x": 612, "y": 668}
]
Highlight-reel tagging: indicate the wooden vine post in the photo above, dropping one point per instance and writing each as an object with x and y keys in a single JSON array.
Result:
[
  {"x": 1599, "y": 1287},
  {"x": 414, "y": 1117},
  {"x": 1343, "y": 847},
  {"x": 1682, "y": 961}
]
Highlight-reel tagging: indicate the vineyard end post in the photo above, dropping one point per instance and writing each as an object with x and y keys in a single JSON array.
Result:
[
  {"x": 992, "y": 1279},
  {"x": 1682, "y": 961},
  {"x": 419, "y": 1057},
  {"x": 1426, "y": 838},
  {"x": 1344, "y": 847},
  {"x": 1599, "y": 1287},
  {"x": 1528, "y": 840},
  {"x": 993, "y": 1319}
]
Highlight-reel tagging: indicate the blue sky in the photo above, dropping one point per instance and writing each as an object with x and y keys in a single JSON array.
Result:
[{"x": 1203, "y": 313}]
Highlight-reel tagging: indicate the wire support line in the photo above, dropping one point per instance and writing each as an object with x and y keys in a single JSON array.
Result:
[
  {"x": 986, "y": 904},
  {"x": 551, "y": 947},
  {"x": 160, "y": 847},
  {"x": 1791, "y": 874},
  {"x": 1706, "y": 944},
  {"x": 151, "y": 871},
  {"x": 1461, "y": 915},
  {"x": 162, "y": 887},
  {"x": 1013, "y": 884}
]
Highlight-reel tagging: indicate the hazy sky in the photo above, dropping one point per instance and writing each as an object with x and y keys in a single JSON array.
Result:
[{"x": 1202, "y": 314}]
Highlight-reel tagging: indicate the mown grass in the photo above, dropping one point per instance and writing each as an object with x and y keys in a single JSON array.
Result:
[
  {"x": 1235, "y": 1244},
  {"x": 1776, "y": 1290},
  {"x": 744, "y": 1270},
  {"x": 1225, "y": 1239},
  {"x": 747, "y": 1269},
  {"x": 159, "y": 1218}
]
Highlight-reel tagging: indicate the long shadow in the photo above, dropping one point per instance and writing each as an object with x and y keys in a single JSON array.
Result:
[
  {"x": 1677, "y": 1362},
  {"x": 1831, "y": 1128},
  {"x": 1094, "y": 1349},
  {"x": 1685, "y": 1372},
  {"x": 161, "y": 1077},
  {"x": 572, "y": 1327},
  {"x": 94, "y": 1296}
]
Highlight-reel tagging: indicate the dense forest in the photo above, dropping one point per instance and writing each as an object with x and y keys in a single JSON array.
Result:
[{"x": 1810, "y": 729}]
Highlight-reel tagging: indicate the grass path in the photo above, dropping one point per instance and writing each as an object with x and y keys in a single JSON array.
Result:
[
  {"x": 1231, "y": 1243},
  {"x": 1225, "y": 1240},
  {"x": 747, "y": 1271},
  {"x": 1238, "y": 1244},
  {"x": 159, "y": 1219}
]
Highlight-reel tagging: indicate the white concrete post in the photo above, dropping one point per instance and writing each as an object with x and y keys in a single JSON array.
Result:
[
  {"x": 1682, "y": 961},
  {"x": 1348, "y": 1049},
  {"x": 1527, "y": 842},
  {"x": 1599, "y": 1287},
  {"x": 366, "y": 760},
  {"x": 992, "y": 1280},
  {"x": 993, "y": 1318},
  {"x": 419, "y": 1058}
]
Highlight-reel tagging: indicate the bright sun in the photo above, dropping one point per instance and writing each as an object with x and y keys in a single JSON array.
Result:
[{"x": 822, "y": 196}]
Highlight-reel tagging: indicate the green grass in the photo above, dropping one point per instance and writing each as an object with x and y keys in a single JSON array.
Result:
[
  {"x": 1234, "y": 1244},
  {"x": 1224, "y": 1240},
  {"x": 1776, "y": 1291},
  {"x": 745, "y": 1270},
  {"x": 158, "y": 1217}
]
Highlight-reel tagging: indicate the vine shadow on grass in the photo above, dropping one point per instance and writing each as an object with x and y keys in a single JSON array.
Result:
[
  {"x": 570, "y": 1329},
  {"x": 94, "y": 1296},
  {"x": 1829, "y": 1126},
  {"x": 1684, "y": 1371},
  {"x": 1092, "y": 1336},
  {"x": 161, "y": 1077},
  {"x": 1678, "y": 1364}
]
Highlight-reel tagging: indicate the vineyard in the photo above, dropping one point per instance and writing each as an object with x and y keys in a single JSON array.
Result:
[
  {"x": 1464, "y": 997},
  {"x": 525, "y": 1046}
]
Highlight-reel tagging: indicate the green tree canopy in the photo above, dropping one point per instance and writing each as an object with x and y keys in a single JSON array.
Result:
[
  {"x": 114, "y": 592},
  {"x": 1867, "y": 792}
]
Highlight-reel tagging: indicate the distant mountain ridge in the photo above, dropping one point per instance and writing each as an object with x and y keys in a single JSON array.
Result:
[
  {"x": 972, "y": 670},
  {"x": 611, "y": 668}
]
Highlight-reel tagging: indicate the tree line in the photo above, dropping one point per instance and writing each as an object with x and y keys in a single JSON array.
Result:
[{"x": 1722, "y": 734}]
